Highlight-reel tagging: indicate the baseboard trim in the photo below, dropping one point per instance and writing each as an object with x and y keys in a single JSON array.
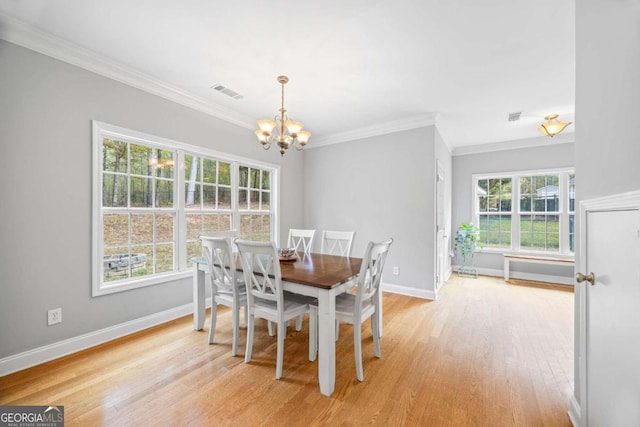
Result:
[
  {"x": 574, "y": 412},
  {"x": 36, "y": 356},
  {"x": 410, "y": 292},
  {"x": 547, "y": 278}
]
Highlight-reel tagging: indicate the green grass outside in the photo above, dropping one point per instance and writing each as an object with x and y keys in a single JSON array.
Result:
[{"x": 535, "y": 232}]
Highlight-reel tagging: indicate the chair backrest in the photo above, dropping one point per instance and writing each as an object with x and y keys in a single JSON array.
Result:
[
  {"x": 300, "y": 240},
  {"x": 368, "y": 282},
  {"x": 337, "y": 242},
  {"x": 221, "y": 263},
  {"x": 261, "y": 267},
  {"x": 231, "y": 234}
]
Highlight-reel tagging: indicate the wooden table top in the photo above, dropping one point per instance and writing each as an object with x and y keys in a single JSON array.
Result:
[
  {"x": 313, "y": 269},
  {"x": 320, "y": 270}
]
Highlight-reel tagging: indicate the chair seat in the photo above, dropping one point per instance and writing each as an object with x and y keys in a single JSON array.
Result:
[{"x": 294, "y": 305}]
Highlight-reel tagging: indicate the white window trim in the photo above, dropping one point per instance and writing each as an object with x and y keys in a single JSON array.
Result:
[
  {"x": 515, "y": 213},
  {"x": 102, "y": 130}
]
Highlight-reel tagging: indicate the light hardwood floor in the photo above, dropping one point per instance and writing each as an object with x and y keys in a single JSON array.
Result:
[{"x": 487, "y": 353}]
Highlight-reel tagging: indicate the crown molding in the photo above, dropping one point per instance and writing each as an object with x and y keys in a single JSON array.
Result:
[
  {"x": 376, "y": 130},
  {"x": 25, "y": 35},
  {"x": 540, "y": 141}
]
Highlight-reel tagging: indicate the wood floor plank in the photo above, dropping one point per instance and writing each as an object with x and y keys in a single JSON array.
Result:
[{"x": 486, "y": 353}]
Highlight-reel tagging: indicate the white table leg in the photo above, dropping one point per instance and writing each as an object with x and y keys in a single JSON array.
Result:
[
  {"x": 198, "y": 298},
  {"x": 506, "y": 269},
  {"x": 327, "y": 341}
]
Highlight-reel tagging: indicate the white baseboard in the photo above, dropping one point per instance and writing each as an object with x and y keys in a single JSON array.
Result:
[
  {"x": 36, "y": 356},
  {"x": 574, "y": 412},
  {"x": 561, "y": 280},
  {"x": 410, "y": 292}
]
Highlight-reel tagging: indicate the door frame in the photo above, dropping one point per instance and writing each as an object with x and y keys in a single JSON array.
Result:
[{"x": 616, "y": 202}]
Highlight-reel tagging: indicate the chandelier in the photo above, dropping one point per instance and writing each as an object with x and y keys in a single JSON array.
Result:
[
  {"x": 281, "y": 130},
  {"x": 553, "y": 126}
]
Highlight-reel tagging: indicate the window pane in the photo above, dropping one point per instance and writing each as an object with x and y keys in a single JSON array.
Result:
[
  {"x": 243, "y": 173},
  {"x": 209, "y": 196},
  {"x": 209, "y": 171},
  {"x": 194, "y": 249},
  {"x": 142, "y": 228},
  {"x": 192, "y": 196},
  {"x": 572, "y": 225},
  {"x": 210, "y": 223},
  {"x": 141, "y": 194},
  {"x": 243, "y": 199},
  {"x": 572, "y": 193},
  {"x": 225, "y": 222},
  {"x": 115, "y": 229},
  {"x": 142, "y": 160},
  {"x": 114, "y": 156},
  {"x": 254, "y": 203},
  {"x": 224, "y": 173},
  {"x": 164, "y": 193},
  {"x": 191, "y": 169},
  {"x": 114, "y": 190},
  {"x": 266, "y": 201},
  {"x": 164, "y": 227},
  {"x": 266, "y": 180},
  {"x": 255, "y": 178},
  {"x": 164, "y": 164},
  {"x": 164, "y": 258},
  {"x": 224, "y": 200},
  {"x": 115, "y": 263},
  {"x": 141, "y": 261},
  {"x": 194, "y": 226},
  {"x": 495, "y": 231}
]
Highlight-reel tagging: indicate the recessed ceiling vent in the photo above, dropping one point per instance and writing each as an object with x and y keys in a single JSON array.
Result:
[
  {"x": 230, "y": 93},
  {"x": 514, "y": 117}
]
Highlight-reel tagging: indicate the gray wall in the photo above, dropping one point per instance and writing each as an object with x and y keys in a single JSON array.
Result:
[
  {"x": 46, "y": 108},
  {"x": 379, "y": 187},
  {"x": 607, "y": 107},
  {"x": 543, "y": 157}
]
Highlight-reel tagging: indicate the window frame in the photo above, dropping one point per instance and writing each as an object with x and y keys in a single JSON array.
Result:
[
  {"x": 516, "y": 212},
  {"x": 182, "y": 270}
]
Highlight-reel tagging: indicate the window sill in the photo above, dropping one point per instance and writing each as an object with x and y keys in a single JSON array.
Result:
[
  {"x": 115, "y": 287},
  {"x": 501, "y": 252}
]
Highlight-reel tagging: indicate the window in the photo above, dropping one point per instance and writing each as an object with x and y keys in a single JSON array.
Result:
[
  {"x": 541, "y": 220},
  {"x": 154, "y": 197}
]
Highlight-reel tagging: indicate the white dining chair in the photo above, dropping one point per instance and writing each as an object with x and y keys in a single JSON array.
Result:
[
  {"x": 265, "y": 296},
  {"x": 355, "y": 309},
  {"x": 301, "y": 240},
  {"x": 337, "y": 242},
  {"x": 227, "y": 286}
]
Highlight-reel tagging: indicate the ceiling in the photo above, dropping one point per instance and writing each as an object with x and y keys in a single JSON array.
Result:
[{"x": 355, "y": 66}]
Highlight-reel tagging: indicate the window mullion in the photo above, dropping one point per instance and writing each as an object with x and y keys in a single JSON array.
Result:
[
  {"x": 515, "y": 213},
  {"x": 180, "y": 224}
]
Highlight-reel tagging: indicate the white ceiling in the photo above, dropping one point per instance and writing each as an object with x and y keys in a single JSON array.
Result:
[{"x": 352, "y": 64}]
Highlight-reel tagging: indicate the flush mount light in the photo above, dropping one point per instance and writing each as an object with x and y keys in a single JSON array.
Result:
[
  {"x": 281, "y": 129},
  {"x": 552, "y": 126}
]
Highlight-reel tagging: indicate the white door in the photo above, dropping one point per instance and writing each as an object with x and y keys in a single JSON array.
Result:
[
  {"x": 612, "y": 317},
  {"x": 441, "y": 250}
]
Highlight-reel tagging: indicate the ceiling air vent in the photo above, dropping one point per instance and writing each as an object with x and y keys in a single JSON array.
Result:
[
  {"x": 514, "y": 117},
  {"x": 230, "y": 93}
]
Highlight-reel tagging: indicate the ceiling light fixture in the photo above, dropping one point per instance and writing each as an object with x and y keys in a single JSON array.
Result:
[
  {"x": 553, "y": 126},
  {"x": 287, "y": 132}
]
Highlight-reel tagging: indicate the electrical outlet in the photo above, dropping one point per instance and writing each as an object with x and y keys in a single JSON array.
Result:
[
  {"x": 54, "y": 316},
  {"x": 396, "y": 271}
]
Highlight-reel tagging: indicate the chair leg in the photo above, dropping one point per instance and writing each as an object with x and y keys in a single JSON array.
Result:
[
  {"x": 375, "y": 328},
  {"x": 247, "y": 352},
  {"x": 270, "y": 328},
  {"x": 214, "y": 317},
  {"x": 357, "y": 349},
  {"x": 313, "y": 333},
  {"x": 299, "y": 323},
  {"x": 280, "y": 352},
  {"x": 337, "y": 329},
  {"x": 235, "y": 321}
]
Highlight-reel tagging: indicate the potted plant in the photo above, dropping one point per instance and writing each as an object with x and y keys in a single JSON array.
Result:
[{"x": 467, "y": 240}]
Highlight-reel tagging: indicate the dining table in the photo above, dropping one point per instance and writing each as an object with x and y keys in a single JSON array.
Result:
[{"x": 317, "y": 275}]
